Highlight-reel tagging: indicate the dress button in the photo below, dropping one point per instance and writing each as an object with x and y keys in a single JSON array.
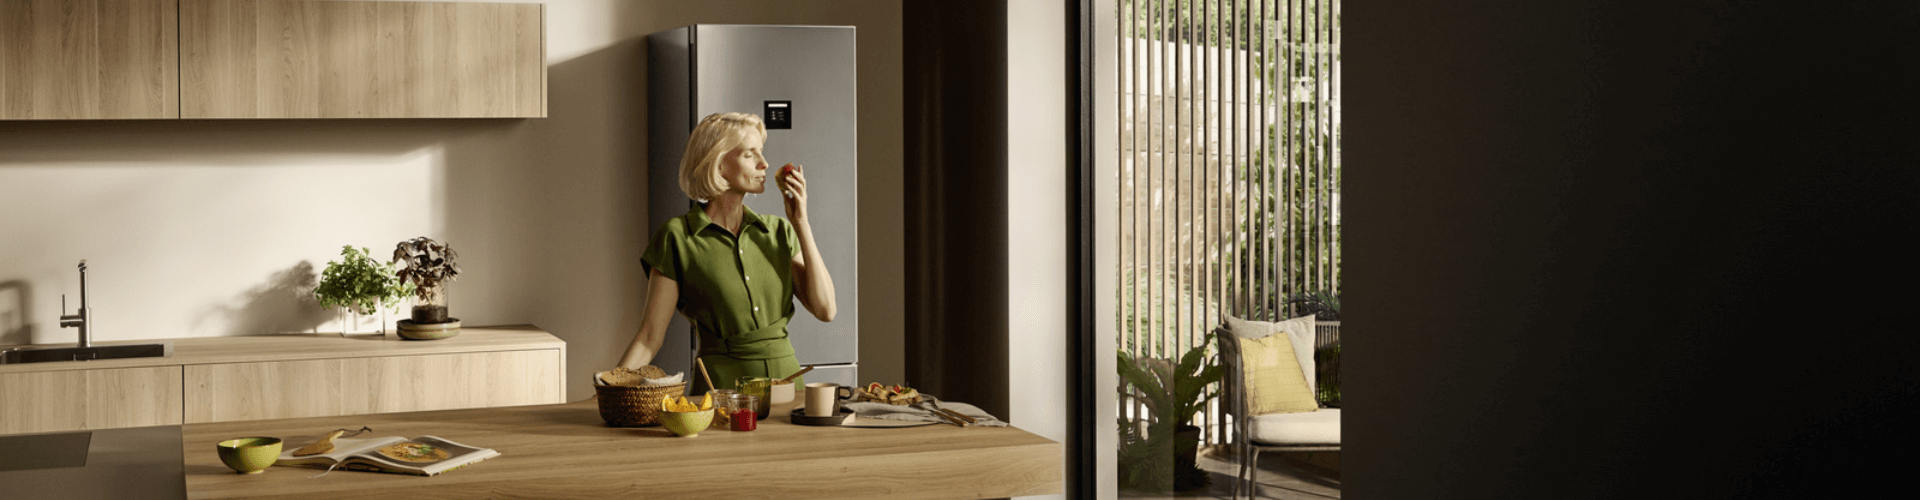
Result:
[
  {"x": 756, "y": 308},
  {"x": 749, "y": 278}
]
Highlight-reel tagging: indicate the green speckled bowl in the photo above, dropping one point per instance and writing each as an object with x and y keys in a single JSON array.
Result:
[
  {"x": 686, "y": 423},
  {"x": 250, "y": 455}
]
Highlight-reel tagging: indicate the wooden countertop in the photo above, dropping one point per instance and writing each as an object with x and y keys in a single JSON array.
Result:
[
  {"x": 287, "y": 347},
  {"x": 567, "y": 451}
]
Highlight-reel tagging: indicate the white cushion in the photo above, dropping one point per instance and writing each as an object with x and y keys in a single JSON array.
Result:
[
  {"x": 1299, "y": 330},
  {"x": 1313, "y": 427}
]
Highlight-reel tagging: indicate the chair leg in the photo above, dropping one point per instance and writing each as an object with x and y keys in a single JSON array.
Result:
[
  {"x": 1240, "y": 456},
  {"x": 1253, "y": 479}
]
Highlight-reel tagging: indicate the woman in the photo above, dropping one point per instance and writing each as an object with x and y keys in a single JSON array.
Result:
[{"x": 732, "y": 272}]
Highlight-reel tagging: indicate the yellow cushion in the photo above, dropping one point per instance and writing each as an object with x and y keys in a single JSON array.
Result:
[{"x": 1275, "y": 383}]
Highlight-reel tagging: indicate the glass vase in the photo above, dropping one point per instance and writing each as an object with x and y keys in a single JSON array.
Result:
[
  {"x": 352, "y": 318},
  {"x": 430, "y": 306}
]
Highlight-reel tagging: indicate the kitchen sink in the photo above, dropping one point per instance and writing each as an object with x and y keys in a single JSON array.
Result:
[{"x": 20, "y": 355}]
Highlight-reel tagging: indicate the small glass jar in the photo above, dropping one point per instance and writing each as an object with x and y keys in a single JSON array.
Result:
[
  {"x": 758, "y": 387},
  {"x": 722, "y": 409},
  {"x": 743, "y": 416}
]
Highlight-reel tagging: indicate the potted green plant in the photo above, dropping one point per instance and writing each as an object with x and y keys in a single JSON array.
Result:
[
  {"x": 1158, "y": 454},
  {"x": 359, "y": 285}
]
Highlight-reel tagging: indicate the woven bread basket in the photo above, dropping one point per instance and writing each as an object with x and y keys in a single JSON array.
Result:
[{"x": 624, "y": 406}]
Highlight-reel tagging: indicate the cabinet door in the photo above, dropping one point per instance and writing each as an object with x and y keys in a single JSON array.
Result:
[
  {"x": 358, "y": 386},
  {"x": 88, "y": 59},
  {"x": 323, "y": 59},
  {"x": 71, "y": 400}
]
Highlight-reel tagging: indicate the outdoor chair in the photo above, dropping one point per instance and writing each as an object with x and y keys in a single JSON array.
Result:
[{"x": 1311, "y": 431}]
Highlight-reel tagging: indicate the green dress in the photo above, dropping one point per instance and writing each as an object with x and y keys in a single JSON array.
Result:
[{"x": 736, "y": 290}]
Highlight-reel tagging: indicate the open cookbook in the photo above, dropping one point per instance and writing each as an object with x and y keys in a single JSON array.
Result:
[{"x": 421, "y": 456}]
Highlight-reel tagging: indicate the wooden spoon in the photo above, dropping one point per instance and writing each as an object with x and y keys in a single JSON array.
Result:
[
  {"x": 803, "y": 371},
  {"x": 703, "y": 373}
]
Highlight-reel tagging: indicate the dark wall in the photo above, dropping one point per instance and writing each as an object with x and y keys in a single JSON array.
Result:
[
  {"x": 956, "y": 201},
  {"x": 1646, "y": 250}
]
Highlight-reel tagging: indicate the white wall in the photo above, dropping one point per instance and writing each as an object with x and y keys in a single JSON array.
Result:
[
  {"x": 1037, "y": 218},
  {"x": 207, "y": 228}
]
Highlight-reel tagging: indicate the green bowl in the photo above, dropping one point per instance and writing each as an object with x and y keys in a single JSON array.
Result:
[
  {"x": 250, "y": 455},
  {"x": 686, "y": 423}
]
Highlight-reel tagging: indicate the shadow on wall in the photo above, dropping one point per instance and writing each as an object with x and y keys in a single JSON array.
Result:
[
  {"x": 283, "y": 304},
  {"x": 16, "y": 312},
  {"x": 548, "y": 214}
]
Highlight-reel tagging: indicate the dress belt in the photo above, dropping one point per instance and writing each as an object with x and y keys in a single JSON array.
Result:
[{"x": 768, "y": 342}]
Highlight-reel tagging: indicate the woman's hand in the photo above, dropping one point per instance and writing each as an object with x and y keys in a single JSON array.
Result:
[
  {"x": 812, "y": 284},
  {"x": 793, "y": 191}
]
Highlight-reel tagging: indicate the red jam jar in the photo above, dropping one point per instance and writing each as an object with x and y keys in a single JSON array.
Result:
[{"x": 744, "y": 418}]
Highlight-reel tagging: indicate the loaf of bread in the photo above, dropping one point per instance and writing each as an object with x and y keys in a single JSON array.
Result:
[{"x": 630, "y": 377}]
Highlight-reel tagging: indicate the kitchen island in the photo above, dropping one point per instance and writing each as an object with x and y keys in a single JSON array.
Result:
[{"x": 567, "y": 451}]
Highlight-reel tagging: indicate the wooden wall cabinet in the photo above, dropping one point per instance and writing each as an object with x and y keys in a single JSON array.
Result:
[
  {"x": 89, "y": 399},
  {"x": 357, "y": 386},
  {"x": 88, "y": 59},
  {"x": 199, "y": 59},
  {"x": 350, "y": 59}
]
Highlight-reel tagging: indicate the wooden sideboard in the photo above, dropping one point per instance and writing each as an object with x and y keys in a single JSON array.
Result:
[{"x": 225, "y": 379}]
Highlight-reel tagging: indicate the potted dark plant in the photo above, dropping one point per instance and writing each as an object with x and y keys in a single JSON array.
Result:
[
  {"x": 1325, "y": 308},
  {"x": 430, "y": 266},
  {"x": 359, "y": 285},
  {"x": 1157, "y": 454}
]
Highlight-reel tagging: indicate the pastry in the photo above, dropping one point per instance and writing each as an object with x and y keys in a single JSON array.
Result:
[{"x": 324, "y": 445}]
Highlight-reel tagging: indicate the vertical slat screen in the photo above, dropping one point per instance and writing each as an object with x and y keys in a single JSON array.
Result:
[{"x": 1229, "y": 169}]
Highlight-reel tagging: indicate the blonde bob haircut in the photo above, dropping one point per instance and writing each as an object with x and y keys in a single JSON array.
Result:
[{"x": 716, "y": 134}]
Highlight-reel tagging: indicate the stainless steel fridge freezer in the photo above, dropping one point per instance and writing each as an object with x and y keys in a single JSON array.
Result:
[{"x": 801, "y": 81}]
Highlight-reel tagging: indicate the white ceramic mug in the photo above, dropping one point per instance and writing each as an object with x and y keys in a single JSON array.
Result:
[{"x": 823, "y": 398}]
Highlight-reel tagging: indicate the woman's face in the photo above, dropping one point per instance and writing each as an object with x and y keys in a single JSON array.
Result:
[{"x": 743, "y": 168}]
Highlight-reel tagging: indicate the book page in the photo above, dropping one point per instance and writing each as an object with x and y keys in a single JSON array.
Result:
[
  {"x": 455, "y": 455},
  {"x": 342, "y": 448}
]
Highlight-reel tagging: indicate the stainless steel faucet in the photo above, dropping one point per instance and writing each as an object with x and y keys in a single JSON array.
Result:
[{"x": 85, "y": 316}]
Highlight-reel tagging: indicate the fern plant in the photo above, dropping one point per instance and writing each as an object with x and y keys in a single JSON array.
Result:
[
  {"x": 359, "y": 283},
  {"x": 1172, "y": 393}
]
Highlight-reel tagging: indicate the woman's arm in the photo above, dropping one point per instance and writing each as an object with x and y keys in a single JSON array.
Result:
[
  {"x": 811, "y": 283},
  {"x": 662, "y": 294}
]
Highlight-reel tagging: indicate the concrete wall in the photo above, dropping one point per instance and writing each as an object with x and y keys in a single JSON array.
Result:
[{"x": 211, "y": 228}]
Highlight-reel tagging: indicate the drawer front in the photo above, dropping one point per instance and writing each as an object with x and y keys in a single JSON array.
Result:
[
  {"x": 329, "y": 59},
  {"x": 72, "y": 400},
  {"x": 358, "y": 386}
]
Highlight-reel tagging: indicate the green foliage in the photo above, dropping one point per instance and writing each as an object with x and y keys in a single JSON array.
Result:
[
  {"x": 1173, "y": 393},
  {"x": 1322, "y": 305},
  {"x": 359, "y": 283},
  {"x": 1145, "y": 459},
  {"x": 1328, "y": 361},
  {"x": 1156, "y": 310}
]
